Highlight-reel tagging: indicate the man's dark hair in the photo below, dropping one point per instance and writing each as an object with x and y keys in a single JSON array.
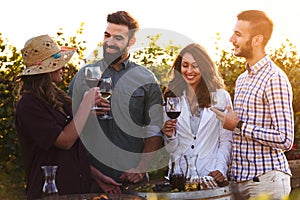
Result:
[
  {"x": 124, "y": 18},
  {"x": 260, "y": 22}
]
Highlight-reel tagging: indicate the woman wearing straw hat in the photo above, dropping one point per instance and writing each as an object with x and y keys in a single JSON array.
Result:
[{"x": 48, "y": 133}]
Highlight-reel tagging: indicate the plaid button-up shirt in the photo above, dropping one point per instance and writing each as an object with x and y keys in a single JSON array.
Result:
[{"x": 263, "y": 100}]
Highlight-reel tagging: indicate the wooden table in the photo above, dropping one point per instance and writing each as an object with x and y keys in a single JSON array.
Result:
[
  {"x": 90, "y": 196},
  {"x": 219, "y": 193}
]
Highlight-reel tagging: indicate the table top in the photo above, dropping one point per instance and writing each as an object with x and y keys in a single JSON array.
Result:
[
  {"x": 94, "y": 196},
  {"x": 216, "y": 193},
  {"x": 222, "y": 193}
]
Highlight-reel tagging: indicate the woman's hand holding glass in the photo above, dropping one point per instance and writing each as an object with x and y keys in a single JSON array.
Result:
[
  {"x": 91, "y": 96},
  {"x": 169, "y": 128}
]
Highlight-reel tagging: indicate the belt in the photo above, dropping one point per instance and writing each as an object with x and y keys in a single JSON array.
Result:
[{"x": 255, "y": 179}]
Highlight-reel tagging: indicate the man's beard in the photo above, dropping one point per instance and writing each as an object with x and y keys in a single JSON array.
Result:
[
  {"x": 247, "y": 51},
  {"x": 112, "y": 58}
]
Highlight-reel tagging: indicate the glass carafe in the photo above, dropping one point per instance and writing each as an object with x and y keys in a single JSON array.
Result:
[
  {"x": 49, "y": 187},
  {"x": 176, "y": 176},
  {"x": 192, "y": 178}
]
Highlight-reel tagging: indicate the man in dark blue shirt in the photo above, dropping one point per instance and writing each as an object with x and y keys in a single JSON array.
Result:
[{"x": 123, "y": 147}]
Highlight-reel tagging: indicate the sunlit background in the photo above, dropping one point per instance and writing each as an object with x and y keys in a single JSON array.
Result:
[{"x": 196, "y": 19}]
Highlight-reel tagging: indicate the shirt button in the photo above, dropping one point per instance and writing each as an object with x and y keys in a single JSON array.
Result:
[
  {"x": 194, "y": 138},
  {"x": 192, "y": 146}
]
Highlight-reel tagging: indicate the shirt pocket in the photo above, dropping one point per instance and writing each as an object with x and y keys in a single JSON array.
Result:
[{"x": 137, "y": 106}]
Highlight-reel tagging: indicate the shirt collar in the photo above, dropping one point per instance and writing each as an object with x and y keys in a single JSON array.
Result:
[
  {"x": 260, "y": 64},
  {"x": 123, "y": 65}
]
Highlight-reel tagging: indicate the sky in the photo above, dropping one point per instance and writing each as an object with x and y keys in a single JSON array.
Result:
[{"x": 194, "y": 20}]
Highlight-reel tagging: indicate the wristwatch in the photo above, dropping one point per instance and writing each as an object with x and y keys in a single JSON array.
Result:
[{"x": 238, "y": 127}]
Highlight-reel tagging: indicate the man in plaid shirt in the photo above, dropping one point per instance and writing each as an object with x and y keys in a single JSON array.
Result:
[{"x": 262, "y": 120}]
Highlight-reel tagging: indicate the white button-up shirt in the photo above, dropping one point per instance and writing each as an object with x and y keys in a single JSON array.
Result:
[{"x": 211, "y": 142}]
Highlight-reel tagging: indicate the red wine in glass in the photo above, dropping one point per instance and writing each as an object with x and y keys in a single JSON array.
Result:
[{"x": 173, "y": 115}]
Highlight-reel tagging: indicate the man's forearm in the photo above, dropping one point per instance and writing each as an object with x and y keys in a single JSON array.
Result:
[{"x": 152, "y": 144}]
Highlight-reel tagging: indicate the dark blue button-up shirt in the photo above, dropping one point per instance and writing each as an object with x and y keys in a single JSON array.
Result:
[{"x": 116, "y": 144}]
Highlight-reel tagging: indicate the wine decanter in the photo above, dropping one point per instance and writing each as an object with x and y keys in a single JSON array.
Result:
[
  {"x": 49, "y": 187},
  {"x": 192, "y": 178},
  {"x": 177, "y": 176}
]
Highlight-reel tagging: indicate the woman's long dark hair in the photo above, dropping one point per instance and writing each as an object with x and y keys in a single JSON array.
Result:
[
  {"x": 42, "y": 87},
  {"x": 210, "y": 78}
]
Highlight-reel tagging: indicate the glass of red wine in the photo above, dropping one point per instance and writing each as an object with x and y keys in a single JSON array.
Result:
[
  {"x": 173, "y": 107},
  {"x": 92, "y": 77}
]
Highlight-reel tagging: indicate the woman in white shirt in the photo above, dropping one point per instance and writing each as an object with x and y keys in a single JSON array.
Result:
[{"x": 197, "y": 130}]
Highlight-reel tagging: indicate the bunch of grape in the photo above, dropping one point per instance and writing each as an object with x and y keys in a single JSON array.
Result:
[
  {"x": 163, "y": 187},
  {"x": 145, "y": 188},
  {"x": 159, "y": 187}
]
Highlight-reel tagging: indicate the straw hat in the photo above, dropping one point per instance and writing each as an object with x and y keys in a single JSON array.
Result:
[{"x": 42, "y": 54}]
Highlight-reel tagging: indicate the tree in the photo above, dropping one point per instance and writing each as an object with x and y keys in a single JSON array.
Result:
[
  {"x": 156, "y": 58},
  {"x": 287, "y": 58},
  {"x": 10, "y": 61}
]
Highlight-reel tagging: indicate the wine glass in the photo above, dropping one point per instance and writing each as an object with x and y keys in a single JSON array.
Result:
[
  {"x": 173, "y": 107},
  {"x": 92, "y": 77},
  {"x": 106, "y": 91},
  {"x": 218, "y": 101}
]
